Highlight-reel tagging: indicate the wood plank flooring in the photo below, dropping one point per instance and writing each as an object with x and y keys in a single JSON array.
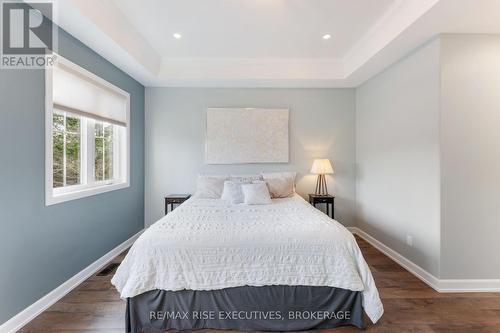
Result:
[{"x": 410, "y": 306}]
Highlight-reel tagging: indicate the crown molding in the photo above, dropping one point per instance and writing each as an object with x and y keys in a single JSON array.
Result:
[{"x": 401, "y": 29}]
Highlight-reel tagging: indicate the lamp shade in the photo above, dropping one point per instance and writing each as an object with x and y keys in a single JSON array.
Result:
[{"x": 322, "y": 166}]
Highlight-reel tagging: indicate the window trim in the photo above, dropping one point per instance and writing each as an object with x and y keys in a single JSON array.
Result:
[{"x": 55, "y": 196}]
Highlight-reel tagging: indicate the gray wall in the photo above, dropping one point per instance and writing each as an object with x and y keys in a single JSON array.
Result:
[
  {"x": 397, "y": 156},
  {"x": 42, "y": 247},
  {"x": 321, "y": 125},
  {"x": 470, "y": 156}
]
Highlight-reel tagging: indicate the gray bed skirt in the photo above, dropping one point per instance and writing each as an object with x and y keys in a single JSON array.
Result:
[{"x": 268, "y": 308}]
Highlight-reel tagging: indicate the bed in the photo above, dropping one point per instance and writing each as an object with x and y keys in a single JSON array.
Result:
[{"x": 277, "y": 267}]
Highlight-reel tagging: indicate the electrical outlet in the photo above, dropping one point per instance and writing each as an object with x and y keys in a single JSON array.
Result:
[{"x": 409, "y": 240}]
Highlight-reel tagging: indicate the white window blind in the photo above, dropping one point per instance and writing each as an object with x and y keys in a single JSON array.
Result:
[
  {"x": 78, "y": 94},
  {"x": 87, "y": 134}
]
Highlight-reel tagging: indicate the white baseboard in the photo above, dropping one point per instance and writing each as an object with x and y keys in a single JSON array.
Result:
[
  {"x": 28, "y": 314},
  {"x": 410, "y": 266},
  {"x": 469, "y": 285},
  {"x": 440, "y": 285}
]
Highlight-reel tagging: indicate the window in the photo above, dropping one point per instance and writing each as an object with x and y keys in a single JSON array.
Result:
[
  {"x": 103, "y": 157},
  {"x": 66, "y": 140},
  {"x": 87, "y": 131}
]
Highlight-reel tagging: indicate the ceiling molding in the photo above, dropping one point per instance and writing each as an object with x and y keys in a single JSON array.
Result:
[
  {"x": 221, "y": 72},
  {"x": 252, "y": 69},
  {"x": 404, "y": 26},
  {"x": 102, "y": 27},
  {"x": 395, "y": 21}
]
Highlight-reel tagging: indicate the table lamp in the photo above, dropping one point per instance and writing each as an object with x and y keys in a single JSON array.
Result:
[{"x": 321, "y": 167}]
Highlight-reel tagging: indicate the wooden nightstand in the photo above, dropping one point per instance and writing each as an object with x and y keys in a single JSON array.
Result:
[
  {"x": 326, "y": 199},
  {"x": 174, "y": 199}
]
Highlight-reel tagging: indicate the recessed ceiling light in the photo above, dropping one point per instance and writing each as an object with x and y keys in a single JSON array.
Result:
[
  {"x": 177, "y": 36},
  {"x": 327, "y": 36}
]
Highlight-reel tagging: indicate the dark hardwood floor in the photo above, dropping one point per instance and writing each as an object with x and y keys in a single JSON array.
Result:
[{"x": 410, "y": 306}]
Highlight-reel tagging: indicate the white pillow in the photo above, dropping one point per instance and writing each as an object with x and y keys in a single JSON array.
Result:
[
  {"x": 232, "y": 192},
  {"x": 291, "y": 174},
  {"x": 245, "y": 178},
  {"x": 210, "y": 187},
  {"x": 285, "y": 174},
  {"x": 256, "y": 193},
  {"x": 281, "y": 187}
]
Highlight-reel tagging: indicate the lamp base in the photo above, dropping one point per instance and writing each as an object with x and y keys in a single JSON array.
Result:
[{"x": 321, "y": 188}]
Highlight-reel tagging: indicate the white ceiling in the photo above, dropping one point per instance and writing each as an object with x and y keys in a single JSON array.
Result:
[
  {"x": 253, "y": 28},
  {"x": 266, "y": 43}
]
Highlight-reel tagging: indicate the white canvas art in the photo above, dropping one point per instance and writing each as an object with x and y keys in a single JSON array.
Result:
[{"x": 247, "y": 135}]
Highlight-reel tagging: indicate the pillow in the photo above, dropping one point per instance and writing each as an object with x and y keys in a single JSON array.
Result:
[
  {"x": 232, "y": 192},
  {"x": 245, "y": 178},
  {"x": 210, "y": 187},
  {"x": 281, "y": 187},
  {"x": 287, "y": 174},
  {"x": 256, "y": 193},
  {"x": 268, "y": 175}
]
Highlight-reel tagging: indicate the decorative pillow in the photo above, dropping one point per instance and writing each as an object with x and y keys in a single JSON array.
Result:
[
  {"x": 285, "y": 174},
  {"x": 256, "y": 193},
  {"x": 232, "y": 192},
  {"x": 281, "y": 187},
  {"x": 210, "y": 187},
  {"x": 290, "y": 174},
  {"x": 245, "y": 178}
]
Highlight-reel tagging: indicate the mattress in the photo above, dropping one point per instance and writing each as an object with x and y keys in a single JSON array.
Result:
[{"x": 209, "y": 244}]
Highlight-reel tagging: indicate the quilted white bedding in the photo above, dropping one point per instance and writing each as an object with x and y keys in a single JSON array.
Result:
[{"x": 208, "y": 244}]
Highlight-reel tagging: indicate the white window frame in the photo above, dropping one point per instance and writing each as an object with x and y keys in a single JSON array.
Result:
[{"x": 88, "y": 186}]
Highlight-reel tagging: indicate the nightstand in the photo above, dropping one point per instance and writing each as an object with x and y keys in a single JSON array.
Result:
[
  {"x": 174, "y": 199},
  {"x": 329, "y": 200}
]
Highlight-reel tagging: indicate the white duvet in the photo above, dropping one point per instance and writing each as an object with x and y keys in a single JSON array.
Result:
[{"x": 208, "y": 244}]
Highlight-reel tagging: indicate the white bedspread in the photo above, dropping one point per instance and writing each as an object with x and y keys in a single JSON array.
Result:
[{"x": 208, "y": 244}]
